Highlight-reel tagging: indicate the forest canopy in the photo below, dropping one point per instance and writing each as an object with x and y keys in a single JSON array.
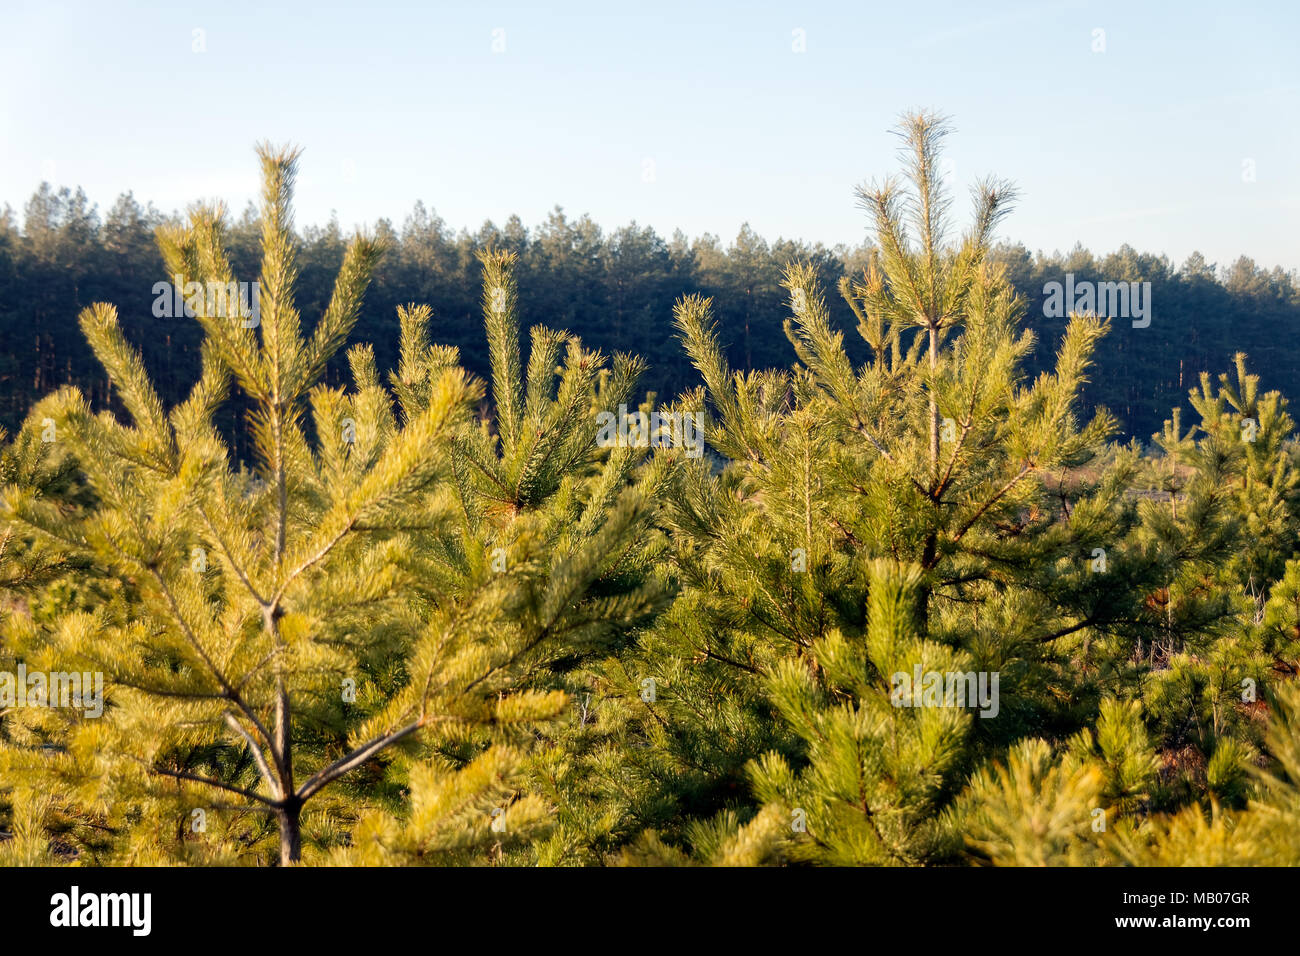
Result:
[{"x": 614, "y": 289}]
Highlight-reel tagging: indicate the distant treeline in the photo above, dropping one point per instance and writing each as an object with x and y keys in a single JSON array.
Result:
[{"x": 615, "y": 290}]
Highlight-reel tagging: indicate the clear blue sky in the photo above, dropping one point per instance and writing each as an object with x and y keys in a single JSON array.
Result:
[{"x": 393, "y": 102}]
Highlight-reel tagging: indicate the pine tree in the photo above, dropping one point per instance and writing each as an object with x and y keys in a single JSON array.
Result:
[
  {"x": 772, "y": 675},
  {"x": 1186, "y": 772},
  {"x": 554, "y": 553},
  {"x": 262, "y": 650},
  {"x": 1043, "y": 808},
  {"x": 1214, "y": 648}
]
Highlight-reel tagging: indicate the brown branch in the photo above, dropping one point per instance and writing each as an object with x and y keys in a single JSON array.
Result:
[
  {"x": 355, "y": 759},
  {"x": 1001, "y": 492},
  {"x": 229, "y": 788}
]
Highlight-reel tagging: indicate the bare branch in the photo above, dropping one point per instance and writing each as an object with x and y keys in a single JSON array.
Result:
[
  {"x": 258, "y": 756},
  {"x": 229, "y": 788},
  {"x": 355, "y": 759}
]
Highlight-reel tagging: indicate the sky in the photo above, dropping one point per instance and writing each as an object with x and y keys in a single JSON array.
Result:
[{"x": 1169, "y": 127}]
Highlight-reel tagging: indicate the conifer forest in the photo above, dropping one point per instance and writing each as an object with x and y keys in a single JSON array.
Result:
[
  {"x": 926, "y": 608},
  {"x": 555, "y": 546}
]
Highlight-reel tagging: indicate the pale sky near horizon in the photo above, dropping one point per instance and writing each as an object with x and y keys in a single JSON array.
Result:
[{"x": 1180, "y": 135}]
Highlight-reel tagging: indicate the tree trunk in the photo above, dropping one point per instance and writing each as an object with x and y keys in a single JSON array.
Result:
[
  {"x": 290, "y": 831},
  {"x": 928, "y": 558},
  {"x": 934, "y": 407}
]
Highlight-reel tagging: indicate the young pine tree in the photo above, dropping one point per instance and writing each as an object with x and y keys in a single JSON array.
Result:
[
  {"x": 267, "y": 647},
  {"x": 774, "y": 667},
  {"x": 553, "y": 552}
]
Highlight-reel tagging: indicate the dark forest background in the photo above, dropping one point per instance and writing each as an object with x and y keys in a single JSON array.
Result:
[{"x": 614, "y": 289}]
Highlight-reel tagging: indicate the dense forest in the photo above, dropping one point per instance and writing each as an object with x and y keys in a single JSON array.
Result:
[
  {"x": 615, "y": 290},
  {"x": 375, "y": 581}
]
